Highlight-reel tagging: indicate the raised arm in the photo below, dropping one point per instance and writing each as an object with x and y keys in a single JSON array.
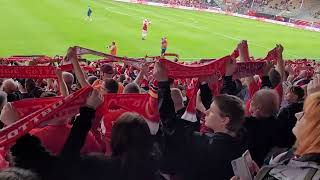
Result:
[
  {"x": 61, "y": 83},
  {"x": 141, "y": 74},
  {"x": 81, "y": 127},
  {"x": 72, "y": 56},
  {"x": 229, "y": 86},
  {"x": 280, "y": 62},
  {"x": 205, "y": 91}
]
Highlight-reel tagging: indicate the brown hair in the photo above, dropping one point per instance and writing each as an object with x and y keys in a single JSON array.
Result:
[
  {"x": 232, "y": 107},
  {"x": 308, "y": 137},
  {"x": 297, "y": 90},
  {"x": 130, "y": 133}
]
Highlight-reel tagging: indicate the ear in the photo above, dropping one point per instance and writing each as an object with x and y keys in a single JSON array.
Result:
[
  {"x": 225, "y": 121},
  {"x": 258, "y": 108}
]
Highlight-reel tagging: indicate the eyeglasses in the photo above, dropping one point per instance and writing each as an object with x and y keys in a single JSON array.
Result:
[{"x": 299, "y": 115}]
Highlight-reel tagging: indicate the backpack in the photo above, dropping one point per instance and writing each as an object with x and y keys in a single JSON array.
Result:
[{"x": 290, "y": 169}]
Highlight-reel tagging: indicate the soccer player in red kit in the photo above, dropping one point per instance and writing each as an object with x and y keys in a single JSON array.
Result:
[{"x": 145, "y": 26}]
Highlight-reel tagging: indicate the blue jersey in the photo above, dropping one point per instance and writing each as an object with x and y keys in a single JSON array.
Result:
[{"x": 89, "y": 12}]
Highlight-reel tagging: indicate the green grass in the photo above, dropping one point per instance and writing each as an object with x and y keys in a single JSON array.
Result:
[{"x": 50, "y": 26}]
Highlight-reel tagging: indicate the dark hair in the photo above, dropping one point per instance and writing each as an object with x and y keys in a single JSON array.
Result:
[
  {"x": 48, "y": 94},
  {"x": 92, "y": 79},
  {"x": 131, "y": 142},
  {"x": 111, "y": 85},
  {"x": 130, "y": 131},
  {"x": 122, "y": 78},
  {"x": 30, "y": 84},
  {"x": 297, "y": 90},
  {"x": 232, "y": 107},
  {"x": 18, "y": 174},
  {"x": 275, "y": 77},
  {"x": 131, "y": 88},
  {"x": 3, "y": 97}
]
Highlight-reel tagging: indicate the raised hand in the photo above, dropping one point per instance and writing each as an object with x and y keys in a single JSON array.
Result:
[
  {"x": 160, "y": 72},
  {"x": 95, "y": 99},
  {"x": 231, "y": 67}
]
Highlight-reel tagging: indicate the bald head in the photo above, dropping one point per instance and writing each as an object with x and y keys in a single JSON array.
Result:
[
  {"x": 9, "y": 86},
  {"x": 131, "y": 88},
  {"x": 265, "y": 103}
]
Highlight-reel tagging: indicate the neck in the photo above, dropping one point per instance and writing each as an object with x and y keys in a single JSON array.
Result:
[{"x": 226, "y": 131}]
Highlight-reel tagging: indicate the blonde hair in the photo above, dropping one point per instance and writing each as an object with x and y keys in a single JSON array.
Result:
[
  {"x": 9, "y": 85},
  {"x": 308, "y": 136}
]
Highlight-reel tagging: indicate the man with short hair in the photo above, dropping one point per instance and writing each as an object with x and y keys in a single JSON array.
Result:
[
  {"x": 295, "y": 98},
  {"x": 131, "y": 88},
  {"x": 263, "y": 126}
]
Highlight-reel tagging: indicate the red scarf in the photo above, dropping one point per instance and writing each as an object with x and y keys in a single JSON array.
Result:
[
  {"x": 32, "y": 72},
  {"x": 139, "y": 103},
  {"x": 64, "y": 108}
]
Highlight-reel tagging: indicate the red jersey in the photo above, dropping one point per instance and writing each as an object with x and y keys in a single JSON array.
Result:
[
  {"x": 164, "y": 43},
  {"x": 145, "y": 27}
]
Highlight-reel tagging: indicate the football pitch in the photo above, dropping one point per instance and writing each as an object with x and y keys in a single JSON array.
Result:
[{"x": 49, "y": 27}]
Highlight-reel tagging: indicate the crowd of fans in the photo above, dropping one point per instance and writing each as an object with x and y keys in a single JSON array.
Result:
[
  {"x": 276, "y": 116},
  {"x": 287, "y": 5},
  {"x": 188, "y": 3},
  {"x": 317, "y": 15}
]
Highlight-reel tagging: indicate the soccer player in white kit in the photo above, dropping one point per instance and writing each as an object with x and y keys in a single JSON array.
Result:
[{"x": 145, "y": 26}]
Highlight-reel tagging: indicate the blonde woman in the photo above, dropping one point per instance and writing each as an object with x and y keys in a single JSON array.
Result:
[{"x": 305, "y": 162}]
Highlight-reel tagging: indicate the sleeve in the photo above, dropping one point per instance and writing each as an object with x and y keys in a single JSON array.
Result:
[
  {"x": 206, "y": 95},
  {"x": 29, "y": 153},
  {"x": 179, "y": 140},
  {"x": 229, "y": 86},
  {"x": 78, "y": 134},
  {"x": 165, "y": 105},
  {"x": 91, "y": 145}
]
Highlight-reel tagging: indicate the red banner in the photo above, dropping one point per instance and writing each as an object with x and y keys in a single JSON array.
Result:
[
  {"x": 176, "y": 70},
  {"x": 142, "y": 104},
  {"x": 33, "y": 72}
]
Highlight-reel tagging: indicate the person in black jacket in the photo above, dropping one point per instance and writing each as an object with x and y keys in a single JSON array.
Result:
[
  {"x": 262, "y": 126},
  {"x": 295, "y": 97},
  {"x": 202, "y": 156},
  {"x": 133, "y": 154},
  {"x": 33, "y": 91}
]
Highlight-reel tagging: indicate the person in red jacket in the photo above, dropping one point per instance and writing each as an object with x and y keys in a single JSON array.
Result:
[{"x": 145, "y": 26}]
